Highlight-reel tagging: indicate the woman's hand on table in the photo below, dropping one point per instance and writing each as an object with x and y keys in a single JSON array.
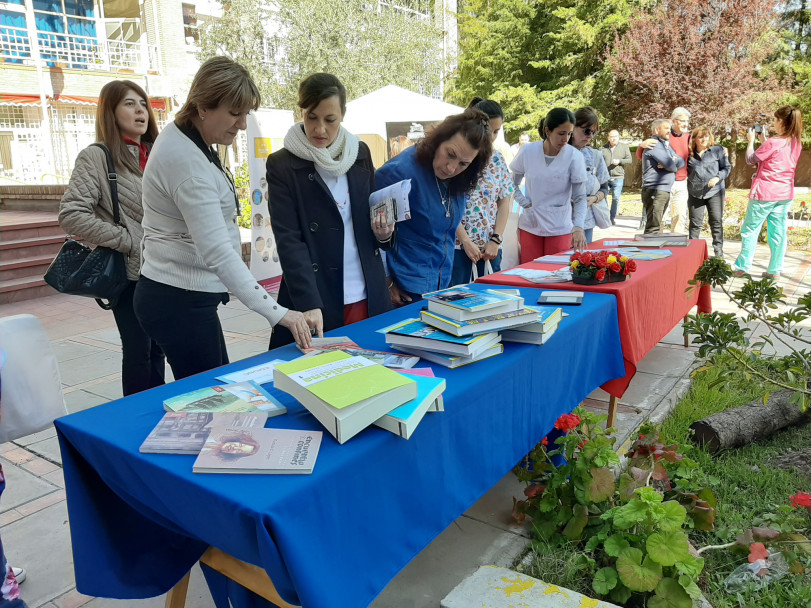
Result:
[
  {"x": 578, "y": 238},
  {"x": 398, "y": 298},
  {"x": 315, "y": 321},
  {"x": 381, "y": 229},
  {"x": 298, "y": 326}
]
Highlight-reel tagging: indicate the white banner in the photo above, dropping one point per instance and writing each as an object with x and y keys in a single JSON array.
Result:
[{"x": 266, "y": 131}]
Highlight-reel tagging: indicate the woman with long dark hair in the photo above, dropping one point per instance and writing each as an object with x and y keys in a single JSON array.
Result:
[
  {"x": 554, "y": 206},
  {"x": 192, "y": 252},
  {"x": 318, "y": 189},
  {"x": 479, "y": 236},
  {"x": 707, "y": 168},
  {"x": 443, "y": 168},
  {"x": 126, "y": 126},
  {"x": 772, "y": 188}
]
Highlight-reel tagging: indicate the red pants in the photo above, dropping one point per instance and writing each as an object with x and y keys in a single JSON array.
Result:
[
  {"x": 533, "y": 246},
  {"x": 356, "y": 311}
]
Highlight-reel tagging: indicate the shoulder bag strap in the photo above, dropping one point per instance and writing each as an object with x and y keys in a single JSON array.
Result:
[{"x": 113, "y": 180}]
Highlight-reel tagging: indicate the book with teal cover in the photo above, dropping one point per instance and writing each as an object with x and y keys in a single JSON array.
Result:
[
  {"x": 490, "y": 323},
  {"x": 345, "y": 393},
  {"x": 454, "y": 361},
  {"x": 467, "y": 300},
  {"x": 235, "y": 397},
  {"x": 416, "y": 334},
  {"x": 404, "y": 419}
]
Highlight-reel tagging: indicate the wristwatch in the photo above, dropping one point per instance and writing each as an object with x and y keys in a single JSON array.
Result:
[{"x": 496, "y": 235}]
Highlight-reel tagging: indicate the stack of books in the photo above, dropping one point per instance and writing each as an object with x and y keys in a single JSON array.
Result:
[
  {"x": 462, "y": 325},
  {"x": 346, "y": 393},
  {"x": 540, "y": 331}
]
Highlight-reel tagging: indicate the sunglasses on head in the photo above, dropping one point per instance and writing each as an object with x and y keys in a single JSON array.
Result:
[{"x": 590, "y": 132}]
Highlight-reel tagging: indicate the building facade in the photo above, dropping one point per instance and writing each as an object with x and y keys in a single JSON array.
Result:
[{"x": 56, "y": 55}]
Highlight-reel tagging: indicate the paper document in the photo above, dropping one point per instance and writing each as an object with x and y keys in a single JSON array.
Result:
[
  {"x": 553, "y": 259},
  {"x": 560, "y": 275},
  {"x": 261, "y": 374},
  {"x": 392, "y": 201}
]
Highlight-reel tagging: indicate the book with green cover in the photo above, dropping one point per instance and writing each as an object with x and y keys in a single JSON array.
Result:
[
  {"x": 345, "y": 393},
  {"x": 235, "y": 397}
]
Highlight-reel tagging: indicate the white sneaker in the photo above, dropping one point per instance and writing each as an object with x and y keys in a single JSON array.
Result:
[{"x": 19, "y": 574}]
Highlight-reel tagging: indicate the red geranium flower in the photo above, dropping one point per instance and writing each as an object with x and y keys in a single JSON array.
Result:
[
  {"x": 535, "y": 489},
  {"x": 567, "y": 422},
  {"x": 545, "y": 441},
  {"x": 582, "y": 443},
  {"x": 801, "y": 499},
  {"x": 600, "y": 276},
  {"x": 575, "y": 257},
  {"x": 585, "y": 258},
  {"x": 631, "y": 265},
  {"x": 616, "y": 267}
]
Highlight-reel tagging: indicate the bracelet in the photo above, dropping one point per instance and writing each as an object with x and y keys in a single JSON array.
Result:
[
  {"x": 497, "y": 241},
  {"x": 389, "y": 283}
]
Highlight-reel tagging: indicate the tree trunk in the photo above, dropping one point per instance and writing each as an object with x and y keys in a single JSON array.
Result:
[{"x": 747, "y": 423}]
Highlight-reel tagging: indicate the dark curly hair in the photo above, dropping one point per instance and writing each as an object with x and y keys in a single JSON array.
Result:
[{"x": 474, "y": 125}]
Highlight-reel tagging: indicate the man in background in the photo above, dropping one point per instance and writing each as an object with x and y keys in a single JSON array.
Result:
[
  {"x": 659, "y": 166},
  {"x": 616, "y": 154}
]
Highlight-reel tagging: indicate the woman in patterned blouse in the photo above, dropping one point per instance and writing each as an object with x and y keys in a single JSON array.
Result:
[{"x": 478, "y": 237}]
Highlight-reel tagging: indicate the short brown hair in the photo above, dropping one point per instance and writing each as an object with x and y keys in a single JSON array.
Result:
[
  {"x": 317, "y": 87},
  {"x": 219, "y": 80},
  {"x": 474, "y": 125},
  {"x": 107, "y": 130}
]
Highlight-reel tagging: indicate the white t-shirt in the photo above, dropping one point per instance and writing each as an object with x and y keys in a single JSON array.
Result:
[
  {"x": 556, "y": 192},
  {"x": 354, "y": 283}
]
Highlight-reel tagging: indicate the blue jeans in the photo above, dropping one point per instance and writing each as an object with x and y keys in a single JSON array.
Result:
[
  {"x": 589, "y": 232},
  {"x": 615, "y": 187},
  {"x": 463, "y": 267}
]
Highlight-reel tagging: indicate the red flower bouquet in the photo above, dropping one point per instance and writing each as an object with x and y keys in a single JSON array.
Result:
[{"x": 590, "y": 267}]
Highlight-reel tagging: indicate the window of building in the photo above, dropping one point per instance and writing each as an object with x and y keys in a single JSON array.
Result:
[
  {"x": 66, "y": 31},
  {"x": 190, "y": 24}
]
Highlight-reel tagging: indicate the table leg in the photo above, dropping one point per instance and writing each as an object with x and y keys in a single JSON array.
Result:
[
  {"x": 249, "y": 576},
  {"x": 176, "y": 598},
  {"x": 612, "y": 411},
  {"x": 686, "y": 335}
]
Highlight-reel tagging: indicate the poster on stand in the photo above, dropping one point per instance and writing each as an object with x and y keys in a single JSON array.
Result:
[{"x": 266, "y": 131}]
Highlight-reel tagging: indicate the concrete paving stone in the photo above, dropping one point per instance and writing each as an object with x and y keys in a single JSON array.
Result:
[
  {"x": 48, "y": 449},
  {"x": 109, "y": 390},
  {"x": 198, "y": 596},
  {"x": 87, "y": 368},
  {"x": 666, "y": 362},
  {"x": 456, "y": 553},
  {"x": 110, "y": 336},
  {"x": 56, "y": 477},
  {"x": 18, "y": 456},
  {"x": 495, "y": 507},
  {"x": 243, "y": 349},
  {"x": 28, "y": 440},
  {"x": 229, "y": 311},
  {"x": 76, "y": 401},
  {"x": 7, "y": 517},
  {"x": 40, "y": 543},
  {"x": 41, "y": 503},
  {"x": 7, "y": 447},
  {"x": 676, "y": 336},
  {"x": 67, "y": 350},
  {"x": 248, "y": 323},
  {"x": 72, "y": 599},
  {"x": 40, "y": 467}
]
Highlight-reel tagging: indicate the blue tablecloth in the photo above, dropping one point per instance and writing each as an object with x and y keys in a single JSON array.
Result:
[{"x": 335, "y": 538}]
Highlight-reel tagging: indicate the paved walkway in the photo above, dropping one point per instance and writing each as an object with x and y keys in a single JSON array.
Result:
[{"x": 33, "y": 515}]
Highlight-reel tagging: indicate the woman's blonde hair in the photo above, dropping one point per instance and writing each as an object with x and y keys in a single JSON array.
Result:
[
  {"x": 107, "y": 131},
  {"x": 219, "y": 80},
  {"x": 700, "y": 131}
]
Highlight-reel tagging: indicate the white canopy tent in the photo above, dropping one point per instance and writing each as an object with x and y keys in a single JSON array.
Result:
[{"x": 367, "y": 116}]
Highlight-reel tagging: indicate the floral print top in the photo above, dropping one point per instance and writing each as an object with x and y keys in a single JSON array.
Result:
[{"x": 482, "y": 206}]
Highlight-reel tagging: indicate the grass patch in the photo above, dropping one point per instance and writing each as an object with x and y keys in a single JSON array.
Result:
[{"x": 750, "y": 493}]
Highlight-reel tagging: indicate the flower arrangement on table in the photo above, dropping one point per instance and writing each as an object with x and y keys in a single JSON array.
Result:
[{"x": 600, "y": 267}]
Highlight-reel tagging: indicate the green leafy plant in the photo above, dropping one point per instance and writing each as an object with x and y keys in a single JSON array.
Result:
[
  {"x": 633, "y": 532},
  {"x": 763, "y": 302},
  {"x": 242, "y": 181}
]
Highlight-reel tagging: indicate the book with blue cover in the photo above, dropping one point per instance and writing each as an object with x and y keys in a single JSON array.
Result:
[
  {"x": 490, "y": 323},
  {"x": 454, "y": 361},
  {"x": 462, "y": 303},
  {"x": 404, "y": 419},
  {"x": 416, "y": 334}
]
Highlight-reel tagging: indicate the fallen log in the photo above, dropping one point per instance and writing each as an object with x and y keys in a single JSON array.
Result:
[{"x": 747, "y": 423}]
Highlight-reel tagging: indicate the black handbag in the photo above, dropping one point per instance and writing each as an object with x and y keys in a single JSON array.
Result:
[{"x": 99, "y": 273}]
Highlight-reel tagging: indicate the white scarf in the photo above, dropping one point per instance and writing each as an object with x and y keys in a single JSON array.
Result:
[{"x": 336, "y": 158}]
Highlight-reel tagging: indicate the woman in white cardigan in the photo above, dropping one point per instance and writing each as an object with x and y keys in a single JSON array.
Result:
[
  {"x": 126, "y": 126},
  {"x": 191, "y": 247}
]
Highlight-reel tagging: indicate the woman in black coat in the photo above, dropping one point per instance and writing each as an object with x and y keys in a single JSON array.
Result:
[
  {"x": 707, "y": 168},
  {"x": 318, "y": 194}
]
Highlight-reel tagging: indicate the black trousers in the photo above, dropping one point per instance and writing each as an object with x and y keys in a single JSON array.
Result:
[
  {"x": 715, "y": 210},
  {"x": 654, "y": 203},
  {"x": 143, "y": 363},
  {"x": 185, "y": 325}
]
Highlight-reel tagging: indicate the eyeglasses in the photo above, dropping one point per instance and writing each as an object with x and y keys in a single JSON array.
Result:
[{"x": 590, "y": 132}]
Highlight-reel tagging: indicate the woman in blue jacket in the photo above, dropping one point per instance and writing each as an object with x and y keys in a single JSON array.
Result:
[
  {"x": 443, "y": 168},
  {"x": 707, "y": 168}
]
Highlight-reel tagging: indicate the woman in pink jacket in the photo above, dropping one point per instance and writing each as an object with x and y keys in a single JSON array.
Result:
[{"x": 772, "y": 189}]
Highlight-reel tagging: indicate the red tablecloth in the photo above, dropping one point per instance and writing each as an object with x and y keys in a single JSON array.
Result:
[{"x": 649, "y": 304}]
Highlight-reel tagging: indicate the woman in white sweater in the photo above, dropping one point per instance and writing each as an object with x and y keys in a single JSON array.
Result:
[
  {"x": 126, "y": 126},
  {"x": 191, "y": 247}
]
